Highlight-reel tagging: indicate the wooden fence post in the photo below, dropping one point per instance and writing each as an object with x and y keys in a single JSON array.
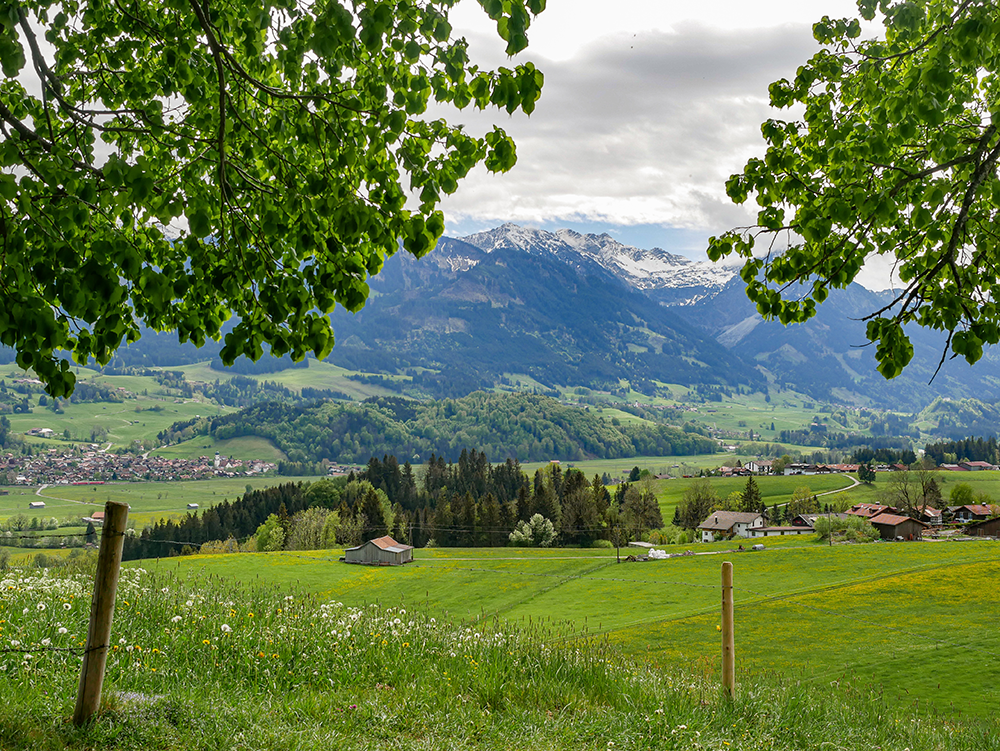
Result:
[
  {"x": 728, "y": 633},
  {"x": 102, "y": 609}
]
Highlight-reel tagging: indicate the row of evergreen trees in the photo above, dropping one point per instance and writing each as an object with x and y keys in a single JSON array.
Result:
[{"x": 466, "y": 503}]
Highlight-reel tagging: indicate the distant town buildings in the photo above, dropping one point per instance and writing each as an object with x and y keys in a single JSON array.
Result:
[{"x": 53, "y": 467}]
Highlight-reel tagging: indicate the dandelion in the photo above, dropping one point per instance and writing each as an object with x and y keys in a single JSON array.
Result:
[
  {"x": 63, "y": 630},
  {"x": 225, "y": 628},
  {"x": 67, "y": 606},
  {"x": 205, "y": 641},
  {"x": 176, "y": 619},
  {"x": 46, "y": 642},
  {"x": 189, "y": 603}
]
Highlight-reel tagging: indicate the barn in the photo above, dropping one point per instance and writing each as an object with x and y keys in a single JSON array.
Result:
[
  {"x": 987, "y": 528},
  {"x": 382, "y": 551},
  {"x": 36, "y": 504},
  {"x": 892, "y": 527}
]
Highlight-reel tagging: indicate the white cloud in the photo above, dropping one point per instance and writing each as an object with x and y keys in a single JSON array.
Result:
[{"x": 640, "y": 128}]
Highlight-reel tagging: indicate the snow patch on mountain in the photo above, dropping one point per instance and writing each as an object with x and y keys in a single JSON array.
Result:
[{"x": 649, "y": 270}]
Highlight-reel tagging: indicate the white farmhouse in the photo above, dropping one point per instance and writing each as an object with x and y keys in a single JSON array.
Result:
[{"x": 729, "y": 524}]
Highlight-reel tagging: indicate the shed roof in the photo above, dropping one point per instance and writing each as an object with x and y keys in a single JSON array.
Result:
[
  {"x": 975, "y": 508},
  {"x": 891, "y": 520},
  {"x": 385, "y": 543}
]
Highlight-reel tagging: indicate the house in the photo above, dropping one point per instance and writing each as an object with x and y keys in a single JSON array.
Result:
[
  {"x": 985, "y": 528},
  {"x": 729, "y": 524},
  {"x": 779, "y": 531},
  {"x": 192, "y": 505},
  {"x": 972, "y": 512},
  {"x": 382, "y": 551},
  {"x": 96, "y": 518},
  {"x": 809, "y": 520},
  {"x": 931, "y": 515},
  {"x": 870, "y": 510},
  {"x": 977, "y": 466},
  {"x": 892, "y": 527},
  {"x": 759, "y": 466},
  {"x": 953, "y": 468},
  {"x": 36, "y": 504}
]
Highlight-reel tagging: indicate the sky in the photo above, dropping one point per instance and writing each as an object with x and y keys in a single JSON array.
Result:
[{"x": 648, "y": 107}]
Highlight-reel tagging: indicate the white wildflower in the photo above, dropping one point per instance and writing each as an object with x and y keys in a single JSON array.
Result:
[
  {"x": 63, "y": 630},
  {"x": 176, "y": 619},
  {"x": 225, "y": 628}
]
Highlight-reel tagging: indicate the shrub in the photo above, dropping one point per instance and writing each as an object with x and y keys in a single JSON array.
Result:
[{"x": 538, "y": 532}]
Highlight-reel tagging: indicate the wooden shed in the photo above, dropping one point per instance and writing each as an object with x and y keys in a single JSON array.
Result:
[
  {"x": 382, "y": 551},
  {"x": 36, "y": 504},
  {"x": 987, "y": 528},
  {"x": 892, "y": 527}
]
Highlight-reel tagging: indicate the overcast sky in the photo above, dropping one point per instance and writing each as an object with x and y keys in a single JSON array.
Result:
[{"x": 648, "y": 107}]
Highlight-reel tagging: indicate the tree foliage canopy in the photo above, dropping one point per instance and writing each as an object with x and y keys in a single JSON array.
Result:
[
  {"x": 895, "y": 154},
  {"x": 175, "y": 162}
]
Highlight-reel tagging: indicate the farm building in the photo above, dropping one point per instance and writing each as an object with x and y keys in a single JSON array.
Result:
[
  {"x": 891, "y": 527},
  {"x": 931, "y": 515},
  {"x": 972, "y": 512},
  {"x": 809, "y": 520},
  {"x": 192, "y": 505},
  {"x": 36, "y": 504},
  {"x": 987, "y": 528},
  {"x": 96, "y": 518},
  {"x": 729, "y": 524},
  {"x": 382, "y": 551},
  {"x": 779, "y": 531},
  {"x": 869, "y": 510}
]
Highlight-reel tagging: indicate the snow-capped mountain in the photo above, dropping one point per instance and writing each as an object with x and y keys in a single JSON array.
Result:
[{"x": 665, "y": 277}]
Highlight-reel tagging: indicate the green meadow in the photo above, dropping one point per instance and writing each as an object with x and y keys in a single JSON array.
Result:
[
  {"x": 242, "y": 447},
  {"x": 145, "y": 412},
  {"x": 912, "y": 620},
  {"x": 148, "y": 501},
  {"x": 320, "y": 375}
]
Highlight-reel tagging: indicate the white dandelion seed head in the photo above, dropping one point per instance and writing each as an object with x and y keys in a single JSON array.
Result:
[
  {"x": 176, "y": 619},
  {"x": 225, "y": 628},
  {"x": 63, "y": 630}
]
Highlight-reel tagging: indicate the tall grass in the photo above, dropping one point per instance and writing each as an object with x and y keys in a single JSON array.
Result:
[{"x": 202, "y": 663}]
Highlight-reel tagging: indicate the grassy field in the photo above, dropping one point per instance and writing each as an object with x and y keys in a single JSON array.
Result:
[
  {"x": 139, "y": 418},
  {"x": 913, "y": 619},
  {"x": 320, "y": 375},
  {"x": 149, "y": 501},
  {"x": 201, "y": 663},
  {"x": 242, "y": 447}
]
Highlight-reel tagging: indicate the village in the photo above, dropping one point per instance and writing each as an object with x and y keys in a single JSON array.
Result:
[
  {"x": 892, "y": 524},
  {"x": 54, "y": 467}
]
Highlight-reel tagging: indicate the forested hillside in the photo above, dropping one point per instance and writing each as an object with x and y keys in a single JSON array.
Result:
[{"x": 524, "y": 426}]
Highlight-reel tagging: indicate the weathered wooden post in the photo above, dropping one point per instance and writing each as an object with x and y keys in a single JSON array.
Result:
[
  {"x": 95, "y": 657},
  {"x": 728, "y": 633}
]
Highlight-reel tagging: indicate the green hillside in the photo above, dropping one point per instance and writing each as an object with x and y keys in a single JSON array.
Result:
[
  {"x": 529, "y": 427},
  {"x": 878, "y": 608}
]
